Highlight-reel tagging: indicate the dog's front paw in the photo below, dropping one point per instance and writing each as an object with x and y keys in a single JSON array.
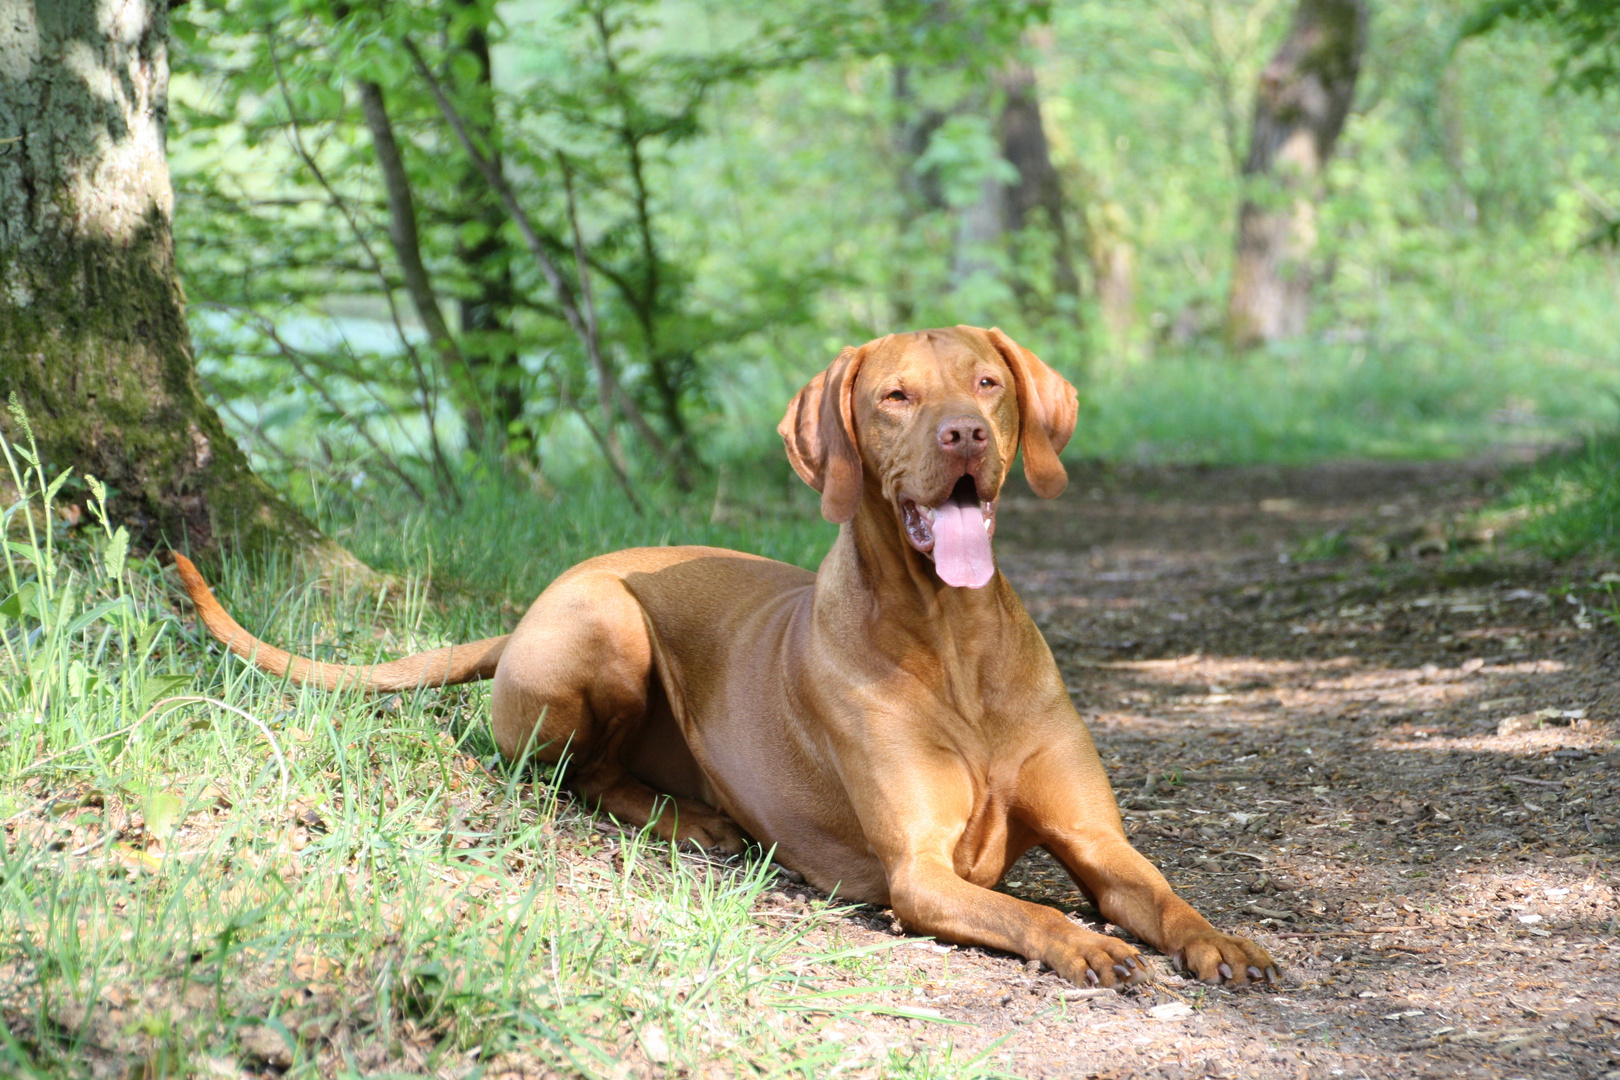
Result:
[
  {"x": 1224, "y": 959},
  {"x": 1100, "y": 960}
]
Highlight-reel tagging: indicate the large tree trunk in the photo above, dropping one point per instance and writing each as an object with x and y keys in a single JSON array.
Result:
[
  {"x": 1304, "y": 96},
  {"x": 93, "y": 336}
]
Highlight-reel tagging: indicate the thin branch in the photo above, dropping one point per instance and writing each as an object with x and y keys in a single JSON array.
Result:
[
  {"x": 531, "y": 236},
  {"x": 646, "y": 306},
  {"x": 255, "y": 429},
  {"x": 298, "y": 358},
  {"x": 632, "y": 148},
  {"x": 604, "y": 380},
  {"x": 402, "y": 228},
  {"x": 441, "y": 467},
  {"x": 619, "y": 474},
  {"x": 294, "y": 357}
]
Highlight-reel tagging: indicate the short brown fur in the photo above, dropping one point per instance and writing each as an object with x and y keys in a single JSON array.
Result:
[{"x": 897, "y": 739}]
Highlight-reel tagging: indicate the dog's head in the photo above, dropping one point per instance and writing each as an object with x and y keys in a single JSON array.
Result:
[{"x": 930, "y": 422}]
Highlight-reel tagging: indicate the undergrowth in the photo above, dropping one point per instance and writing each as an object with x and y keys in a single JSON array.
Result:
[
  {"x": 502, "y": 544},
  {"x": 208, "y": 872},
  {"x": 1570, "y": 503},
  {"x": 1309, "y": 400}
]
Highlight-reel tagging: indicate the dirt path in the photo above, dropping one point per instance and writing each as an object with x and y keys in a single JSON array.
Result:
[{"x": 1399, "y": 775}]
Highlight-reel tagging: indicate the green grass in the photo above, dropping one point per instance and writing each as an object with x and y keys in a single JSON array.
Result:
[
  {"x": 1569, "y": 504},
  {"x": 206, "y": 869},
  {"x": 503, "y": 544},
  {"x": 1306, "y": 402}
]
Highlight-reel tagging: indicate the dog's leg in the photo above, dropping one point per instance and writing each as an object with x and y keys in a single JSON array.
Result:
[
  {"x": 575, "y": 679},
  {"x": 1066, "y": 799},
  {"x": 930, "y": 898},
  {"x": 914, "y": 822},
  {"x": 1130, "y": 892},
  {"x": 683, "y": 821}
]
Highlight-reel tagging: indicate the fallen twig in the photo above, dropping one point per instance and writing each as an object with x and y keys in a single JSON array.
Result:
[
  {"x": 1347, "y": 933},
  {"x": 1533, "y": 780}
]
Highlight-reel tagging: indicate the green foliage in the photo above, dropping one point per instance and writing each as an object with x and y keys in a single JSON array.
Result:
[
  {"x": 1570, "y": 504},
  {"x": 1588, "y": 30},
  {"x": 592, "y": 108},
  {"x": 1465, "y": 288}
]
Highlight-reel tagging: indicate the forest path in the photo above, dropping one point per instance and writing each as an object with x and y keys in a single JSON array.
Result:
[{"x": 1395, "y": 767}]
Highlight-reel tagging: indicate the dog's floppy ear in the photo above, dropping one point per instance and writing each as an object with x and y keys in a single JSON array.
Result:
[
  {"x": 819, "y": 433},
  {"x": 1047, "y": 409}
]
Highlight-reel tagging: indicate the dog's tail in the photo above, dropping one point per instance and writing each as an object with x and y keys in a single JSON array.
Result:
[{"x": 437, "y": 667}]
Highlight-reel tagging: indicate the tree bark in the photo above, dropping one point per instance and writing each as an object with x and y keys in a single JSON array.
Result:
[
  {"x": 486, "y": 310},
  {"x": 93, "y": 335},
  {"x": 1003, "y": 210},
  {"x": 920, "y": 191},
  {"x": 1305, "y": 94},
  {"x": 1036, "y": 199}
]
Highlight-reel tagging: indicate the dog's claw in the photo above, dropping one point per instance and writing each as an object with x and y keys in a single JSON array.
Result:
[
  {"x": 1224, "y": 960},
  {"x": 1091, "y": 977}
]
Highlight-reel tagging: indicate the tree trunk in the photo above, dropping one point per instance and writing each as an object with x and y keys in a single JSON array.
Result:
[
  {"x": 486, "y": 310},
  {"x": 93, "y": 336},
  {"x": 1004, "y": 210},
  {"x": 1304, "y": 96},
  {"x": 1036, "y": 199},
  {"x": 920, "y": 191}
]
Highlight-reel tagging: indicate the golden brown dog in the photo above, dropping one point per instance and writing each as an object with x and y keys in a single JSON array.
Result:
[{"x": 894, "y": 723}]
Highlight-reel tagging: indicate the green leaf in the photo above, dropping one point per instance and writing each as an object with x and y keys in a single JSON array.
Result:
[
  {"x": 162, "y": 810},
  {"x": 56, "y": 485},
  {"x": 80, "y": 679},
  {"x": 100, "y": 611},
  {"x": 27, "y": 551},
  {"x": 117, "y": 552},
  {"x": 25, "y": 601},
  {"x": 157, "y": 687}
]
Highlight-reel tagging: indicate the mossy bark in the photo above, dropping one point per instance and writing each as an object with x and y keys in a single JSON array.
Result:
[{"x": 93, "y": 335}]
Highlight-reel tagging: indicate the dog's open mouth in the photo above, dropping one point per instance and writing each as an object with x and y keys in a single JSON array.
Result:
[{"x": 956, "y": 533}]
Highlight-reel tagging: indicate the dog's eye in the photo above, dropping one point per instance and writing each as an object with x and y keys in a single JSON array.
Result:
[
  {"x": 987, "y": 383},
  {"x": 895, "y": 395}
]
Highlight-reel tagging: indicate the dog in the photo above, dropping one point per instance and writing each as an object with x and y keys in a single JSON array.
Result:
[{"x": 893, "y": 724}]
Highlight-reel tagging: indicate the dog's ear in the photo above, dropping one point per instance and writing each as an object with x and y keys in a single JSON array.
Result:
[
  {"x": 819, "y": 433},
  {"x": 1047, "y": 409}
]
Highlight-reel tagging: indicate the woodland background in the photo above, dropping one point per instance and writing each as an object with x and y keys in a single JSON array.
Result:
[{"x": 752, "y": 187}]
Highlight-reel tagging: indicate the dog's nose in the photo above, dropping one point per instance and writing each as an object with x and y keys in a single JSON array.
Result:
[{"x": 964, "y": 435}]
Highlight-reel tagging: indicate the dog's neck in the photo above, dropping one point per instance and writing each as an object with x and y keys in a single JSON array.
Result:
[{"x": 902, "y": 580}]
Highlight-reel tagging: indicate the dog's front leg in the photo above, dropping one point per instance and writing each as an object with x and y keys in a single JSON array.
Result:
[
  {"x": 930, "y": 898},
  {"x": 1066, "y": 799},
  {"x": 1130, "y": 892}
]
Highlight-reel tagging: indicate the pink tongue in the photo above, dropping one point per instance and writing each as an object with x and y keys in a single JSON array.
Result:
[{"x": 961, "y": 546}]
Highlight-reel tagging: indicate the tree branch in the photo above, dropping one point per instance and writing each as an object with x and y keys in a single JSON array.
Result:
[
  {"x": 531, "y": 237},
  {"x": 402, "y": 229},
  {"x": 441, "y": 467}
]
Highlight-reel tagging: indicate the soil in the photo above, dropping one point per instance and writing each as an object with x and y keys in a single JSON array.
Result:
[{"x": 1394, "y": 767}]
